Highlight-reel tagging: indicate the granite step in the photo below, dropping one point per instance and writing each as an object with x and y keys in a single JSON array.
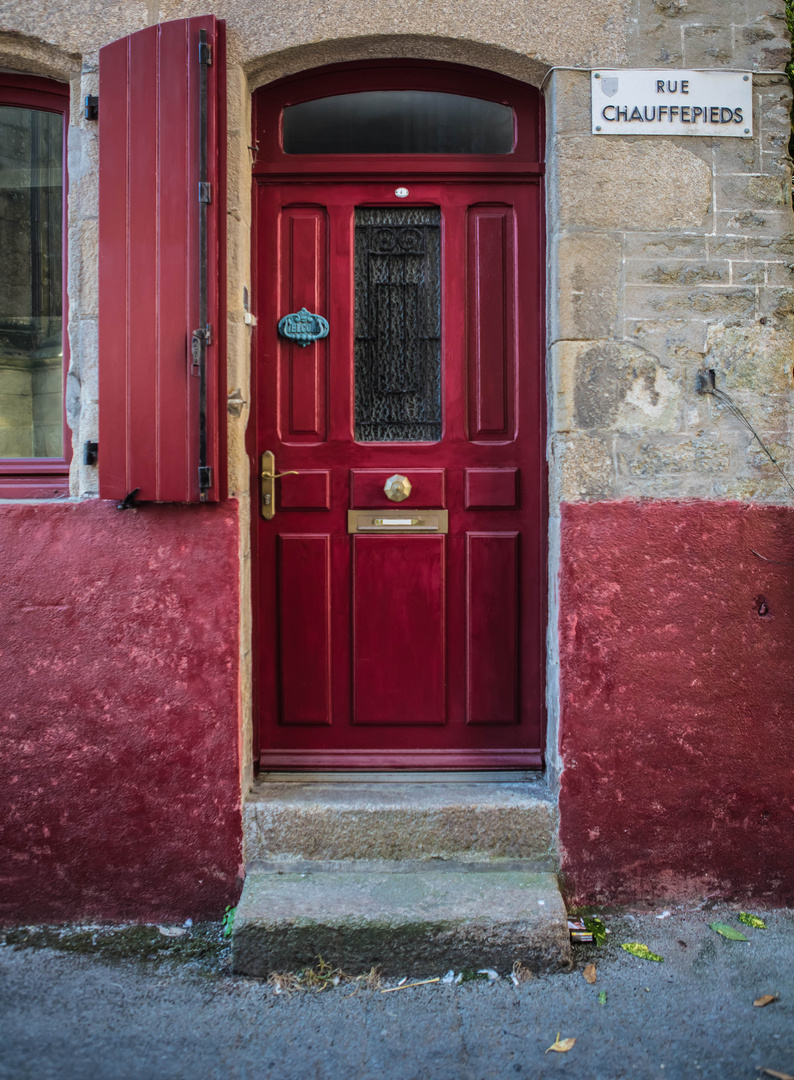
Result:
[
  {"x": 408, "y": 823},
  {"x": 419, "y": 923}
]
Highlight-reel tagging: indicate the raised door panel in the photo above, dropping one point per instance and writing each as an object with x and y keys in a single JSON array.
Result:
[
  {"x": 490, "y": 264},
  {"x": 491, "y": 489},
  {"x": 310, "y": 489},
  {"x": 492, "y": 630},
  {"x": 304, "y": 576},
  {"x": 303, "y": 369},
  {"x": 367, "y": 487},
  {"x": 399, "y": 658}
]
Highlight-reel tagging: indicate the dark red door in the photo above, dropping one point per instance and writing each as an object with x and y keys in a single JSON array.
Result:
[
  {"x": 400, "y": 644},
  {"x": 402, "y": 203}
]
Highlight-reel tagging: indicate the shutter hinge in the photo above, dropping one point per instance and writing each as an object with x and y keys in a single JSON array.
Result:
[
  {"x": 205, "y": 53},
  {"x": 205, "y": 191},
  {"x": 205, "y": 477},
  {"x": 90, "y": 453},
  {"x": 91, "y": 107},
  {"x": 199, "y": 340}
]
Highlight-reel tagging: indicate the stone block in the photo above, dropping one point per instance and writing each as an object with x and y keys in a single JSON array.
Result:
[
  {"x": 347, "y": 31},
  {"x": 762, "y": 45},
  {"x": 582, "y": 467},
  {"x": 643, "y": 185},
  {"x": 677, "y": 272},
  {"x": 770, "y": 488},
  {"x": 756, "y": 358},
  {"x": 83, "y": 160},
  {"x": 708, "y": 46},
  {"x": 84, "y": 268},
  {"x": 401, "y": 923},
  {"x": 727, "y": 247},
  {"x": 737, "y": 156},
  {"x": 750, "y": 192},
  {"x": 778, "y": 304},
  {"x": 657, "y": 40},
  {"x": 780, "y": 275},
  {"x": 292, "y": 822},
  {"x": 587, "y": 282},
  {"x": 748, "y": 273},
  {"x": 671, "y": 455},
  {"x": 717, "y": 302},
  {"x": 611, "y": 386},
  {"x": 772, "y": 247},
  {"x": 569, "y": 103},
  {"x": 662, "y": 245},
  {"x": 79, "y": 26},
  {"x": 768, "y": 222},
  {"x": 673, "y": 341}
]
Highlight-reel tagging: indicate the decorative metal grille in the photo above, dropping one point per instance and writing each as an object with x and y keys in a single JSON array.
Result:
[{"x": 398, "y": 324}]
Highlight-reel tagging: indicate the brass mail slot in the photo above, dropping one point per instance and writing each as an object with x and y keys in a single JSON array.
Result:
[{"x": 397, "y": 521}]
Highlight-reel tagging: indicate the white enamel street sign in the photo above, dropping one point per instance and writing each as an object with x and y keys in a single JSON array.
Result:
[{"x": 672, "y": 102}]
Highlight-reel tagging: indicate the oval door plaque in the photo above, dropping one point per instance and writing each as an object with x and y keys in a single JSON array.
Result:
[{"x": 303, "y": 327}]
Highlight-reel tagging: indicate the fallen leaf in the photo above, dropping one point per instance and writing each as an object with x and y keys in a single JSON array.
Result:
[
  {"x": 752, "y": 920},
  {"x": 172, "y": 931},
  {"x": 562, "y": 1046},
  {"x": 602, "y": 997},
  {"x": 492, "y": 975},
  {"x": 773, "y": 1072},
  {"x": 641, "y": 951},
  {"x": 590, "y": 974},
  {"x": 596, "y": 928},
  {"x": 765, "y": 999},
  {"x": 728, "y": 931}
]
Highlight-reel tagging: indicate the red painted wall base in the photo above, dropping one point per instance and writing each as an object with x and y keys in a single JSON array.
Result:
[
  {"x": 118, "y": 712},
  {"x": 677, "y": 701}
]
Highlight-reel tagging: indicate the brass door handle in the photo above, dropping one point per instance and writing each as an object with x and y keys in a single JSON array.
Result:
[{"x": 267, "y": 479}]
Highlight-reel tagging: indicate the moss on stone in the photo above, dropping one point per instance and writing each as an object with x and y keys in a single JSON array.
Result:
[{"x": 204, "y": 942}]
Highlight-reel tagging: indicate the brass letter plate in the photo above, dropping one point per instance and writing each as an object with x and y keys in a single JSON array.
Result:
[{"x": 397, "y": 521}]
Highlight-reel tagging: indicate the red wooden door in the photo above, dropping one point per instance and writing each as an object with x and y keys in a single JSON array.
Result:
[{"x": 401, "y": 649}]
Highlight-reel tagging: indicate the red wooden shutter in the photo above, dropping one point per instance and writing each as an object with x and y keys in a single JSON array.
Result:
[{"x": 150, "y": 260}]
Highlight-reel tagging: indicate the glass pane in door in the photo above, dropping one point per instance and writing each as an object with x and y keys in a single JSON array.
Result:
[{"x": 398, "y": 324}]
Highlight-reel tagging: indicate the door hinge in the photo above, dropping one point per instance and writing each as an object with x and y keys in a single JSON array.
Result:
[
  {"x": 205, "y": 53},
  {"x": 90, "y": 453},
  {"x": 205, "y": 191},
  {"x": 205, "y": 477},
  {"x": 199, "y": 340},
  {"x": 91, "y": 107}
]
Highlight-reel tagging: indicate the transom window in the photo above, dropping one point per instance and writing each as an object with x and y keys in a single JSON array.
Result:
[{"x": 398, "y": 122}]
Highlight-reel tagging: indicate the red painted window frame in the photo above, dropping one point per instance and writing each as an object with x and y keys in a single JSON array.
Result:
[{"x": 42, "y": 478}]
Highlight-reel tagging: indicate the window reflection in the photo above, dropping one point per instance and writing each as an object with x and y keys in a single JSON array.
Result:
[
  {"x": 398, "y": 122},
  {"x": 31, "y": 283}
]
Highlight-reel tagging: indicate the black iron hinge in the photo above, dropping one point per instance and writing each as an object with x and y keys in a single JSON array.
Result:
[
  {"x": 205, "y": 53},
  {"x": 91, "y": 107}
]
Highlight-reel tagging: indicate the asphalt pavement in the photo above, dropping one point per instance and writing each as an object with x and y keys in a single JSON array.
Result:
[{"x": 170, "y": 1011}]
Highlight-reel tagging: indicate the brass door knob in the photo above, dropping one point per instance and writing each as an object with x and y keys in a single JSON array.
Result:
[{"x": 397, "y": 488}]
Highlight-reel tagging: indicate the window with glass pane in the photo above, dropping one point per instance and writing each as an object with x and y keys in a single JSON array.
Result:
[
  {"x": 398, "y": 324},
  {"x": 398, "y": 122},
  {"x": 31, "y": 286}
]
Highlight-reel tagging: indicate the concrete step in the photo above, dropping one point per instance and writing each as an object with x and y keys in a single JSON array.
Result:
[
  {"x": 397, "y": 821},
  {"x": 419, "y": 923}
]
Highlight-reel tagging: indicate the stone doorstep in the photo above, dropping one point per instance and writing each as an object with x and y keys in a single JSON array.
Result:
[
  {"x": 452, "y": 821},
  {"x": 419, "y": 923}
]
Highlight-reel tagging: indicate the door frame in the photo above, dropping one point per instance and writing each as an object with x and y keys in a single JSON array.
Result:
[{"x": 272, "y": 165}]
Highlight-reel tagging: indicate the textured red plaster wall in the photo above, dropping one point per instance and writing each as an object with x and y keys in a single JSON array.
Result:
[
  {"x": 677, "y": 701},
  {"x": 118, "y": 712}
]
